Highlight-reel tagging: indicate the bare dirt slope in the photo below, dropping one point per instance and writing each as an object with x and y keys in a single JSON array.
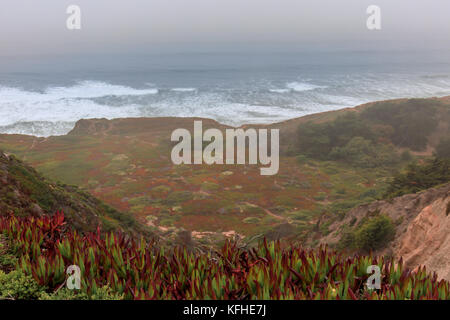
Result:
[{"x": 422, "y": 231}]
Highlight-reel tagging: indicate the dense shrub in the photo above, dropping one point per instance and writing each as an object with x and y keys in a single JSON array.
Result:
[
  {"x": 419, "y": 177},
  {"x": 375, "y": 234},
  {"x": 17, "y": 285},
  {"x": 103, "y": 293},
  {"x": 412, "y": 121},
  {"x": 406, "y": 156},
  {"x": 371, "y": 234},
  {"x": 364, "y": 153},
  {"x": 7, "y": 261},
  {"x": 347, "y": 138},
  {"x": 364, "y": 138},
  {"x": 443, "y": 149},
  {"x": 317, "y": 140}
]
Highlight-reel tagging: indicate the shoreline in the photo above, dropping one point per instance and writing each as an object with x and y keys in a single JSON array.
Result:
[{"x": 285, "y": 124}]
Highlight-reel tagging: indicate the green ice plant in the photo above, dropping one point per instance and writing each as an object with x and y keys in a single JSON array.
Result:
[{"x": 114, "y": 266}]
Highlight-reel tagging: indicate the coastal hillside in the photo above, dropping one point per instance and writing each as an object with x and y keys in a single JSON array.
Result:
[
  {"x": 330, "y": 163},
  {"x": 26, "y": 193}
]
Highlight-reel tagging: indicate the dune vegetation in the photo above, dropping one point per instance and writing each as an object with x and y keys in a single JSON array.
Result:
[{"x": 114, "y": 267}]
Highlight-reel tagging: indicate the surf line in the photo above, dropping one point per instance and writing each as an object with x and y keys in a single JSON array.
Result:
[{"x": 236, "y": 139}]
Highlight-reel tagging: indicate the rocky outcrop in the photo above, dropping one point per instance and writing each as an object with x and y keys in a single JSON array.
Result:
[
  {"x": 422, "y": 228},
  {"x": 427, "y": 239}
]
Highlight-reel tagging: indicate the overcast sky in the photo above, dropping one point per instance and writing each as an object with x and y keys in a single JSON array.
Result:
[{"x": 35, "y": 27}]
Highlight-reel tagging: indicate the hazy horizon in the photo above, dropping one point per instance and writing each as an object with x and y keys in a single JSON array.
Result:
[{"x": 145, "y": 27}]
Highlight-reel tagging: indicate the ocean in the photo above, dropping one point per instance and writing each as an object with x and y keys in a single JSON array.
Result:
[{"x": 45, "y": 96}]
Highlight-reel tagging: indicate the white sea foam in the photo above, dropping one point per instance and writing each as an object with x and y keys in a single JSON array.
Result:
[
  {"x": 20, "y": 108},
  {"x": 279, "y": 90},
  {"x": 85, "y": 89},
  {"x": 39, "y": 128},
  {"x": 54, "y": 110},
  {"x": 61, "y": 110},
  {"x": 297, "y": 87},
  {"x": 184, "y": 89},
  {"x": 95, "y": 89},
  {"x": 302, "y": 86}
]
